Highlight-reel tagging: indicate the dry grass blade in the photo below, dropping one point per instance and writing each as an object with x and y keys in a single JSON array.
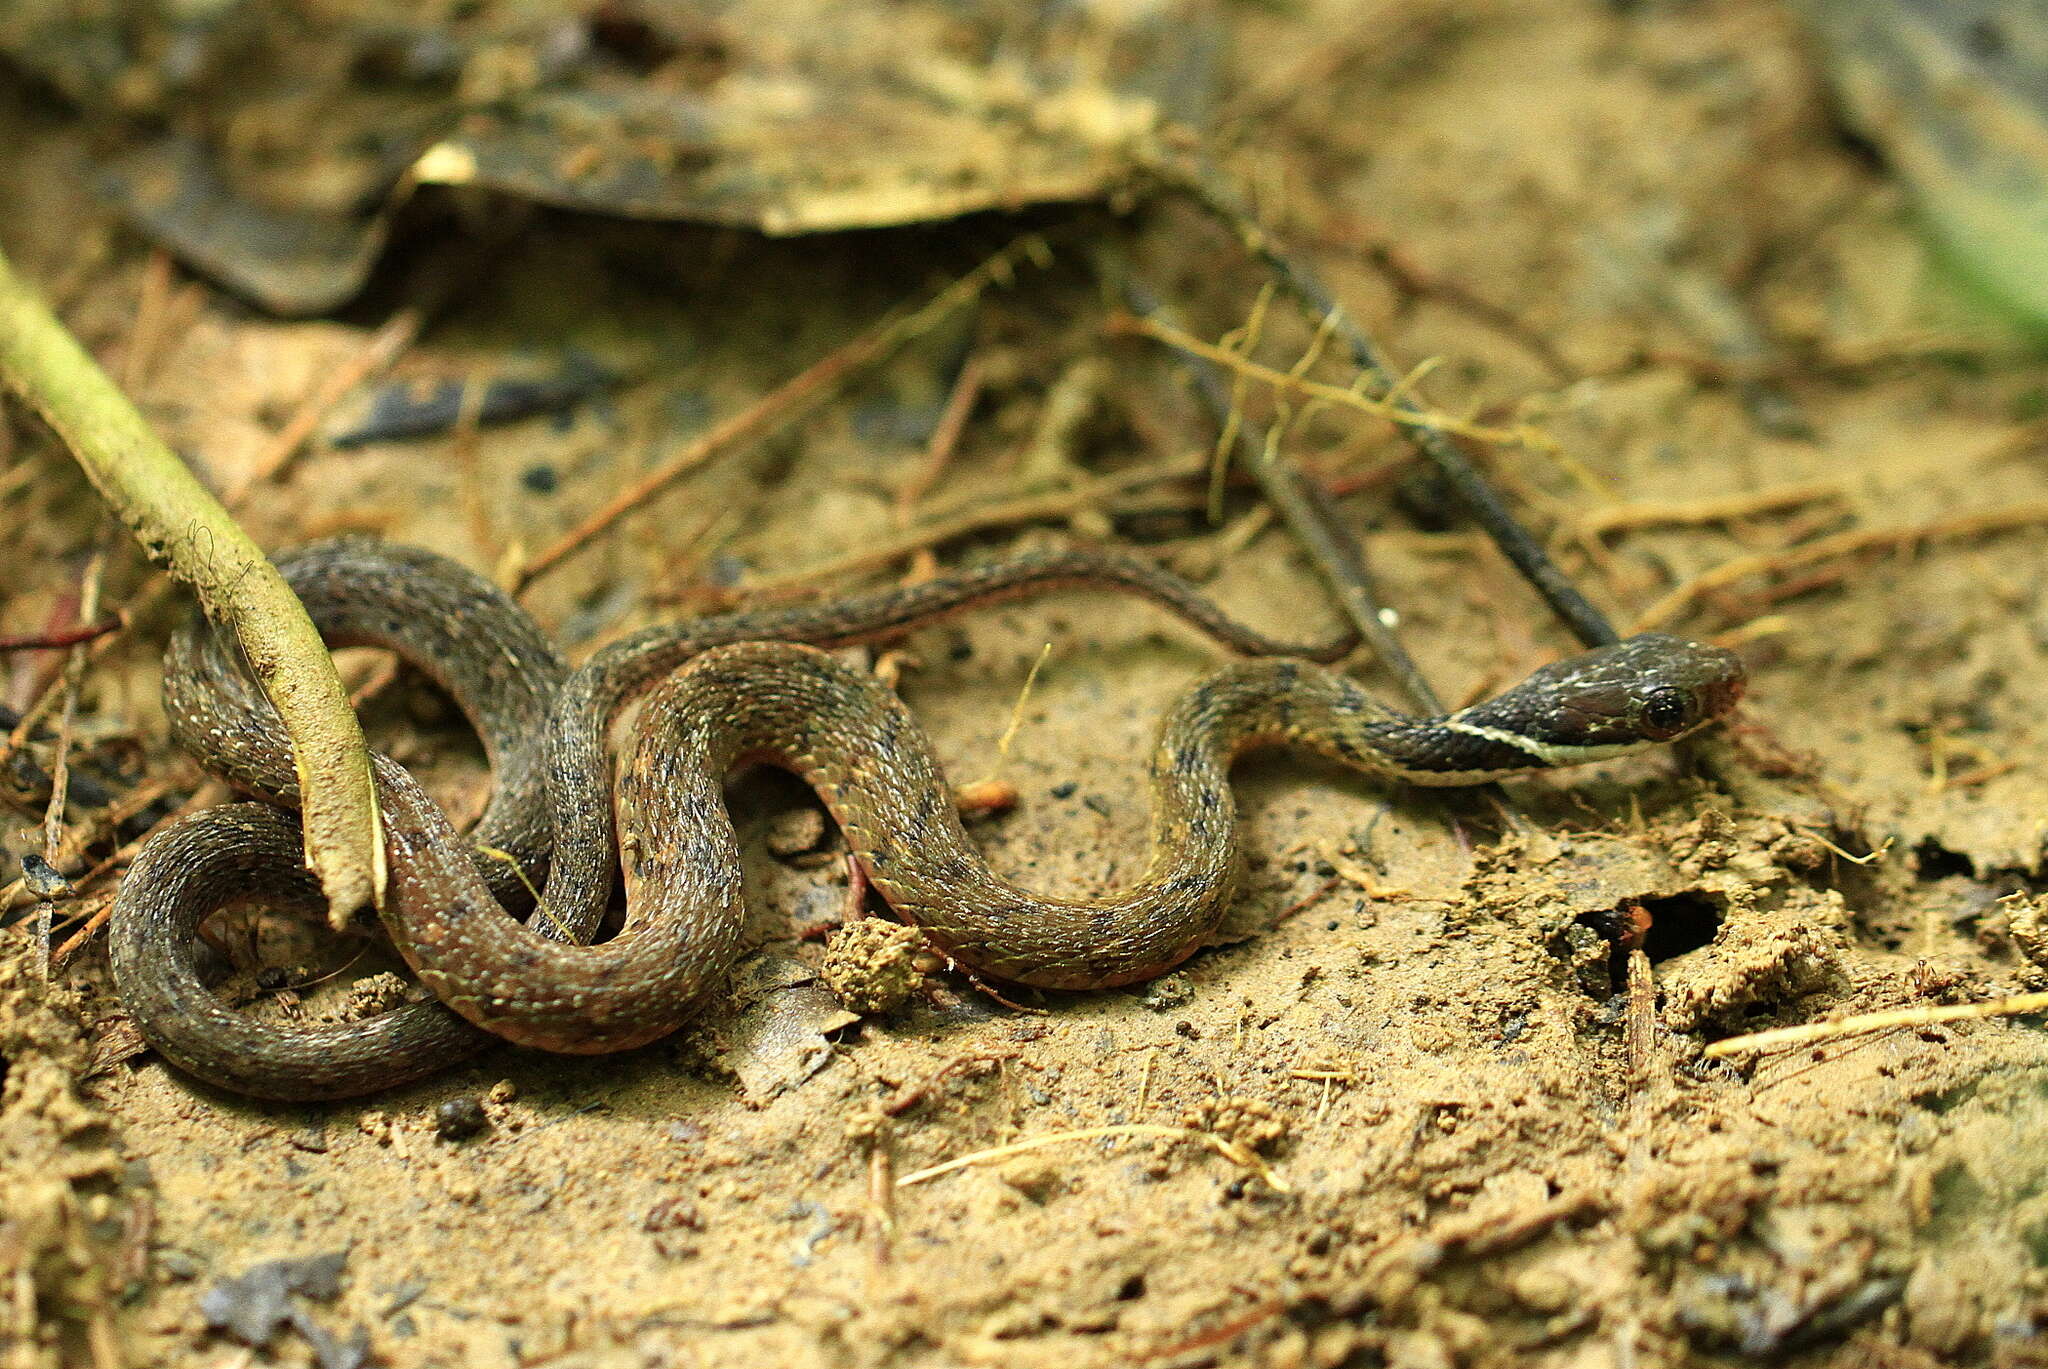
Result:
[
  {"x": 1392, "y": 409},
  {"x": 1336, "y": 554},
  {"x": 60, "y": 764},
  {"x": 2012, "y": 1006},
  {"x": 384, "y": 348}
]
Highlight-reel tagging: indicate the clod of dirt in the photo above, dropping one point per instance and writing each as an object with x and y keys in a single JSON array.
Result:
[
  {"x": 1812, "y": 1276},
  {"x": 372, "y": 995},
  {"x": 1167, "y": 992},
  {"x": 1944, "y": 1314},
  {"x": 1249, "y": 1122},
  {"x": 871, "y": 965},
  {"x": 1761, "y": 959},
  {"x": 673, "y": 1224},
  {"x": 2027, "y": 924}
]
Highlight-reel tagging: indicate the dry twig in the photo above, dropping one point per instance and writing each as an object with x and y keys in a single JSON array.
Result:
[
  {"x": 945, "y": 440},
  {"x": 1724, "y": 508},
  {"x": 1341, "y": 396},
  {"x": 784, "y": 403},
  {"x": 949, "y": 525},
  {"x": 60, "y": 764},
  {"x": 1840, "y": 545},
  {"x": 1303, "y": 507},
  {"x": 62, "y": 637},
  {"x": 1202, "y": 183},
  {"x": 377, "y": 355}
]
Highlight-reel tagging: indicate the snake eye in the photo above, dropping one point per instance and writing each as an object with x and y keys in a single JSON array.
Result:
[{"x": 1665, "y": 713}]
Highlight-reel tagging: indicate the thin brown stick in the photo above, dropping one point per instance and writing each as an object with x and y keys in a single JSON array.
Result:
[
  {"x": 74, "y": 679},
  {"x": 1200, "y": 180},
  {"x": 882, "y": 1195},
  {"x": 1416, "y": 281},
  {"x": 71, "y": 944},
  {"x": 751, "y": 422},
  {"x": 469, "y": 461},
  {"x": 378, "y": 355},
  {"x": 152, "y": 305},
  {"x": 2010, "y": 1006},
  {"x": 1717, "y": 509},
  {"x": 782, "y": 404},
  {"x": 32, "y": 717},
  {"x": 1309, "y": 899},
  {"x": 1338, "y": 557},
  {"x": 1841, "y": 544},
  {"x": 62, "y": 637},
  {"x": 60, "y": 764},
  {"x": 1641, "y": 1031},
  {"x": 15, "y": 892},
  {"x": 205, "y": 797},
  {"x": 107, "y": 820},
  {"x": 947, "y": 527},
  {"x": 1344, "y": 484},
  {"x": 945, "y": 439},
  {"x": 1228, "y": 1331}
]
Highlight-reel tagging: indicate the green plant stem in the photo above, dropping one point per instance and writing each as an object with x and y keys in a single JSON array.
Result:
[{"x": 182, "y": 526}]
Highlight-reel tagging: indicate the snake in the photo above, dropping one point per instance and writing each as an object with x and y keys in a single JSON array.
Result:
[{"x": 716, "y": 695}]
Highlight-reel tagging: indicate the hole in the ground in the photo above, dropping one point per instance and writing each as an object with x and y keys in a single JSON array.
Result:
[
  {"x": 1668, "y": 927},
  {"x": 1932, "y": 860},
  {"x": 1681, "y": 923}
]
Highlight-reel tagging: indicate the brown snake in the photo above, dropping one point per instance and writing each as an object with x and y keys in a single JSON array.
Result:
[{"x": 732, "y": 691}]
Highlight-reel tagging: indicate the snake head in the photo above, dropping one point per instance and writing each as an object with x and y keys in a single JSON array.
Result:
[{"x": 1651, "y": 688}]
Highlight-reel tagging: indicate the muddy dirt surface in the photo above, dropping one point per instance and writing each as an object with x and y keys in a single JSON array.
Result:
[{"x": 1448, "y": 1121}]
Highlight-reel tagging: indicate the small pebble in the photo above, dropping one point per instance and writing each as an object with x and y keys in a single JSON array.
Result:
[{"x": 458, "y": 1119}]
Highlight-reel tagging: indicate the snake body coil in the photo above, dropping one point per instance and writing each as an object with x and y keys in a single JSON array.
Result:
[{"x": 726, "y": 692}]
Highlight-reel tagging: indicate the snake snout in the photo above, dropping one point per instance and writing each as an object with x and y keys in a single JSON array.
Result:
[{"x": 1725, "y": 688}]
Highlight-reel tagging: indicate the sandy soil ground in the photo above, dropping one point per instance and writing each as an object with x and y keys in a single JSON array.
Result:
[{"x": 1476, "y": 1146}]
